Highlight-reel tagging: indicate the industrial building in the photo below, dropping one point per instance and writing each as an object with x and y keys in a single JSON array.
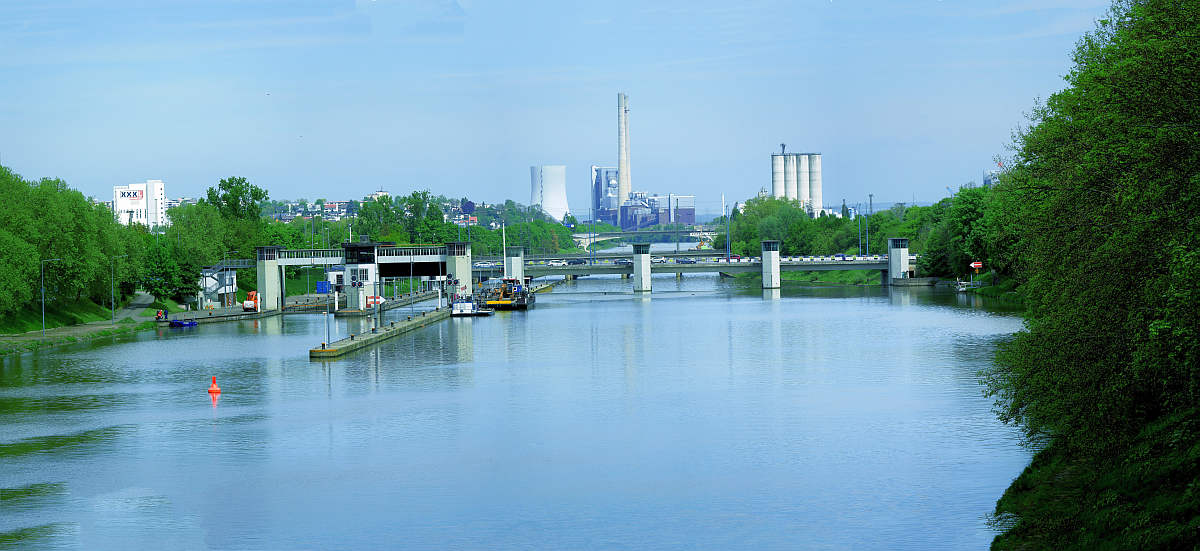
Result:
[
  {"x": 606, "y": 201},
  {"x": 797, "y": 176},
  {"x": 143, "y": 203},
  {"x": 548, "y": 189}
]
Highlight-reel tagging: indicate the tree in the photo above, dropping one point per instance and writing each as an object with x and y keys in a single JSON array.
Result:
[{"x": 236, "y": 197}]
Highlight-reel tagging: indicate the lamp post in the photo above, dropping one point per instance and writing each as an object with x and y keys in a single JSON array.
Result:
[
  {"x": 44, "y": 292},
  {"x": 112, "y": 286}
]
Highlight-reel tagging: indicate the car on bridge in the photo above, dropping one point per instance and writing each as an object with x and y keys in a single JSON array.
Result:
[
  {"x": 623, "y": 262},
  {"x": 576, "y": 262},
  {"x": 685, "y": 260},
  {"x": 658, "y": 260},
  {"x": 557, "y": 263}
]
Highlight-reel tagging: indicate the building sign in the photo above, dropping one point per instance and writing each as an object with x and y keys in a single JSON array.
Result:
[{"x": 132, "y": 195}]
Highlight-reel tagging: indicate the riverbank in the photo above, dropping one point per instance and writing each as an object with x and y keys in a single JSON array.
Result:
[{"x": 20, "y": 344}]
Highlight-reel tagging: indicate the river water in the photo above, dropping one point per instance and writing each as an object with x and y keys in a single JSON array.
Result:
[{"x": 709, "y": 414}]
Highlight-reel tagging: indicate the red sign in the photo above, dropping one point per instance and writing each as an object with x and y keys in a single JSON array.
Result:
[{"x": 977, "y": 264}]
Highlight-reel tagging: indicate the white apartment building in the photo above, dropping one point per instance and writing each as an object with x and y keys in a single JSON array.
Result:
[{"x": 142, "y": 203}]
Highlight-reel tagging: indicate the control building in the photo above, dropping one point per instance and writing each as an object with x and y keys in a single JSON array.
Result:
[{"x": 143, "y": 203}]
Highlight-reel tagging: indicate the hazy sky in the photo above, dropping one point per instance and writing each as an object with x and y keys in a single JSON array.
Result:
[{"x": 337, "y": 98}]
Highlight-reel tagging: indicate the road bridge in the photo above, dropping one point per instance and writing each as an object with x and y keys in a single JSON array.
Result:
[
  {"x": 368, "y": 264},
  {"x": 697, "y": 232}
]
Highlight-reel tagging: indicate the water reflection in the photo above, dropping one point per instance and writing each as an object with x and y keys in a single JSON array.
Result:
[{"x": 835, "y": 417}]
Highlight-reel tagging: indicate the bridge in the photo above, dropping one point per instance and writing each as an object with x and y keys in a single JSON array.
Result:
[
  {"x": 368, "y": 264},
  {"x": 695, "y": 232}
]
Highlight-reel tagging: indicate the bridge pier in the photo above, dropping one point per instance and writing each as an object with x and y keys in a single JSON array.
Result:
[
  {"x": 641, "y": 267},
  {"x": 897, "y": 259},
  {"x": 514, "y": 263},
  {"x": 770, "y": 264},
  {"x": 270, "y": 279}
]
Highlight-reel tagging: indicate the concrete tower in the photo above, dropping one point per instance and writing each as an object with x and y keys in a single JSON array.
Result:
[{"x": 624, "y": 187}]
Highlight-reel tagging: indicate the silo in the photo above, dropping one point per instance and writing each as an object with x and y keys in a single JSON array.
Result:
[
  {"x": 777, "y": 175},
  {"x": 802, "y": 180},
  {"x": 814, "y": 181},
  {"x": 789, "y": 176}
]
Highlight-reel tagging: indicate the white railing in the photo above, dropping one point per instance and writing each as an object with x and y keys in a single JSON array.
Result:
[
  {"x": 413, "y": 251},
  {"x": 294, "y": 254}
]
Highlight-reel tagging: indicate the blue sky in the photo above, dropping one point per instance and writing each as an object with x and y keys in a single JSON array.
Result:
[{"x": 336, "y": 98}]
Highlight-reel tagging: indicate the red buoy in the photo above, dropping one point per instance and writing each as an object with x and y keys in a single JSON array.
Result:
[{"x": 214, "y": 389}]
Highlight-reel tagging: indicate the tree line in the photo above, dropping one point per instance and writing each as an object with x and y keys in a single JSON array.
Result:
[
  {"x": 948, "y": 235},
  {"x": 45, "y": 219}
]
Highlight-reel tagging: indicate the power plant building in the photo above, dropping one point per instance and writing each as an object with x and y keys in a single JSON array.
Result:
[
  {"x": 797, "y": 176},
  {"x": 143, "y": 203},
  {"x": 548, "y": 189},
  {"x": 606, "y": 202}
]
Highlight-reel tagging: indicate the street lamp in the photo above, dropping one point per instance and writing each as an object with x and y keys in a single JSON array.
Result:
[
  {"x": 112, "y": 286},
  {"x": 44, "y": 292}
]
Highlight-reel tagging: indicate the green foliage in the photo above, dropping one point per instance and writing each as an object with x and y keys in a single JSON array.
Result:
[
  {"x": 47, "y": 219},
  {"x": 1098, "y": 218},
  {"x": 237, "y": 198}
]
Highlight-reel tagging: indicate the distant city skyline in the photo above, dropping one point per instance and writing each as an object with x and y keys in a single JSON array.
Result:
[{"x": 338, "y": 100}]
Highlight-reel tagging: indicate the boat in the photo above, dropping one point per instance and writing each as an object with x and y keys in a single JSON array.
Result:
[
  {"x": 182, "y": 323},
  {"x": 507, "y": 294},
  {"x": 466, "y": 308}
]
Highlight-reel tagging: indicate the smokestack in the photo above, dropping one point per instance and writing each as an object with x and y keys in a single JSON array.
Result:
[{"x": 624, "y": 187}]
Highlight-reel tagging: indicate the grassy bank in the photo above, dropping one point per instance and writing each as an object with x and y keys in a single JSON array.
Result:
[
  {"x": 997, "y": 287},
  {"x": 57, "y": 315},
  {"x": 85, "y": 333},
  {"x": 832, "y": 277}
]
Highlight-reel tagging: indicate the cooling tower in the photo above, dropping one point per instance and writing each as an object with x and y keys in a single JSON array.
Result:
[
  {"x": 814, "y": 182},
  {"x": 777, "y": 178},
  {"x": 548, "y": 189}
]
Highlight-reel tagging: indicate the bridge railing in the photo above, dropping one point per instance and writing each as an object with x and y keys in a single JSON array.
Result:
[
  {"x": 293, "y": 254},
  {"x": 426, "y": 250}
]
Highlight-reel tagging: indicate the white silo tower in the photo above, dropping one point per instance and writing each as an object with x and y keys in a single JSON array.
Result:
[
  {"x": 802, "y": 180},
  {"x": 814, "y": 182},
  {"x": 777, "y": 170},
  {"x": 789, "y": 176}
]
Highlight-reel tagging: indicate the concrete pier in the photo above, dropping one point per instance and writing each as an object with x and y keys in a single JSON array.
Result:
[
  {"x": 770, "y": 264},
  {"x": 641, "y": 267},
  {"x": 377, "y": 335}
]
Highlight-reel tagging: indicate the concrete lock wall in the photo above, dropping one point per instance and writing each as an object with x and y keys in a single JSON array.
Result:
[
  {"x": 269, "y": 284},
  {"x": 641, "y": 267},
  {"x": 770, "y": 265}
]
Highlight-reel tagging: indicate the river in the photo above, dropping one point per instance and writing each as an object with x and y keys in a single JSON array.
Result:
[{"x": 709, "y": 414}]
